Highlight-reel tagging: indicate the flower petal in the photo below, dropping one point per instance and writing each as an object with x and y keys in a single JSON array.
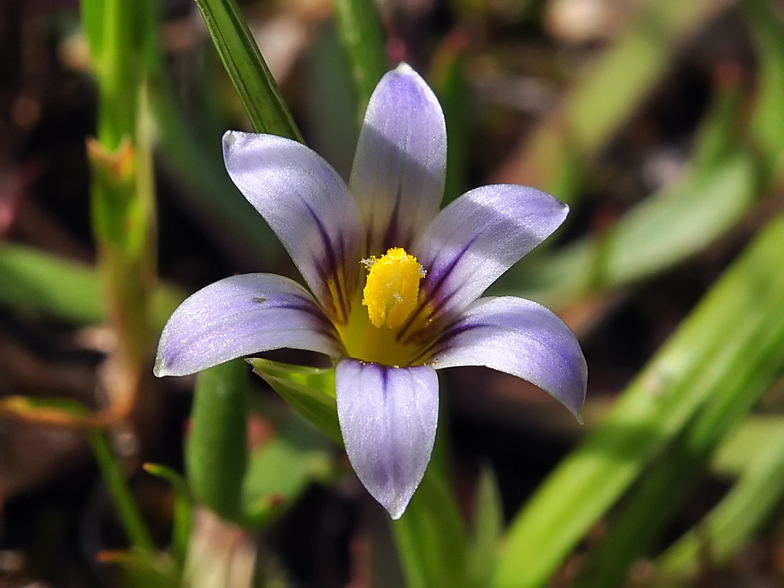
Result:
[
  {"x": 477, "y": 238},
  {"x": 400, "y": 162},
  {"x": 388, "y": 417},
  {"x": 238, "y": 316},
  {"x": 522, "y": 338},
  {"x": 309, "y": 207}
]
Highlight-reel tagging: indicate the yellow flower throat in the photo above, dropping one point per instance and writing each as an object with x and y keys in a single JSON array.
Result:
[
  {"x": 389, "y": 298},
  {"x": 392, "y": 287}
]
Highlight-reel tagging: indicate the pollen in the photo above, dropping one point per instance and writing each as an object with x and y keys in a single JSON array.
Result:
[{"x": 392, "y": 287}]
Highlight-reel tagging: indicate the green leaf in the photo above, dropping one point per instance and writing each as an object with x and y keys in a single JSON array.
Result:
[
  {"x": 734, "y": 337},
  {"x": 747, "y": 506},
  {"x": 217, "y": 448},
  {"x": 431, "y": 537},
  {"x": 731, "y": 458},
  {"x": 447, "y": 71},
  {"x": 359, "y": 29},
  {"x": 143, "y": 570},
  {"x": 488, "y": 528},
  {"x": 309, "y": 390},
  {"x": 68, "y": 290},
  {"x": 247, "y": 69},
  {"x": 127, "y": 509},
  {"x": 663, "y": 230},
  {"x": 604, "y": 99},
  {"x": 34, "y": 280},
  {"x": 199, "y": 166},
  {"x": 768, "y": 34},
  {"x": 283, "y": 467},
  {"x": 92, "y": 13},
  {"x": 183, "y": 508},
  {"x": 668, "y": 228}
]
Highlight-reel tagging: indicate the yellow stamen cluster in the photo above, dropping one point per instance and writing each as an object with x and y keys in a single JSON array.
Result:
[{"x": 392, "y": 287}]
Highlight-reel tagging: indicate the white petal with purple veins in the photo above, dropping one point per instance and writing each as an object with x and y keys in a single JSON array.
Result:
[
  {"x": 242, "y": 315},
  {"x": 309, "y": 207},
  {"x": 400, "y": 162},
  {"x": 478, "y": 237},
  {"x": 521, "y": 338},
  {"x": 388, "y": 417}
]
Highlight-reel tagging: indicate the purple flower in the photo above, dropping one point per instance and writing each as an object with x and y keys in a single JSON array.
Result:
[{"x": 395, "y": 284}]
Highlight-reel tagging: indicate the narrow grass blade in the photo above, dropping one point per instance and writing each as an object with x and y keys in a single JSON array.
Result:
[
  {"x": 487, "y": 528},
  {"x": 739, "y": 318},
  {"x": 359, "y": 29},
  {"x": 431, "y": 537},
  {"x": 247, "y": 69},
  {"x": 739, "y": 515},
  {"x": 602, "y": 101},
  {"x": 127, "y": 509}
]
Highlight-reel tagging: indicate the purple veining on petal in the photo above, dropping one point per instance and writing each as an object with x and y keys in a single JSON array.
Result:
[
  {"x": 392, "y": 236},
  {"x": 400, "y": 161},
  {"x": 308, "y": 206},
  {"x": 388, "y": 417},
  {"x": 330, "y": 268},
  {"x": 477, "y": 238},
  {"x": 242, "y": 315},
  {"x": 519, "y": 337},
  {"x": 431, "y": 291}
]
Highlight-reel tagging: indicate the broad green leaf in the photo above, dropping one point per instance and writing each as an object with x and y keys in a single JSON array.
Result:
[
  {"x": 37, "y": 281},
  {"x": 309, "y": 390},
  {"x": 247, "y": 69},
  {"x": 734, "y": 336},
  {"x": 281, "y": 469},
  {"x": 67, "y": 290},
  {"x": 732, "y": 456},
  {"x": 431, "y": 537},
  {"x": 217, "y": 447}
]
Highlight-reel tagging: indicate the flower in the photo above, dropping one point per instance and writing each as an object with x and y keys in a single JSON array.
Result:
[{"x": 395, "y": 284}]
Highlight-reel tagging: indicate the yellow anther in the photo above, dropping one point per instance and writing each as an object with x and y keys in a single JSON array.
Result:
[{"x": 392, "y": 287}]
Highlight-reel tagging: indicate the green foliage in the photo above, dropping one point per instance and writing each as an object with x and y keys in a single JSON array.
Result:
[
  {"x": 217, "y": 447},
  {"x": 488, "y": 528},
  {"x": 690, "y": 408},
  {"x": 431, "y": 537},
  {"x": 359, "y": 28},
  {"x": 310, "y": 390},
  {"x": 282, "y": 468},
  {"x": 726, "y": 352},
  {"x": 247, "y": 69},
  {"x": 183, "y": 509}
]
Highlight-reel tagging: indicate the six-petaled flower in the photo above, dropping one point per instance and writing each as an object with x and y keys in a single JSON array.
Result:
[{"x": 395, "y": 284}]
